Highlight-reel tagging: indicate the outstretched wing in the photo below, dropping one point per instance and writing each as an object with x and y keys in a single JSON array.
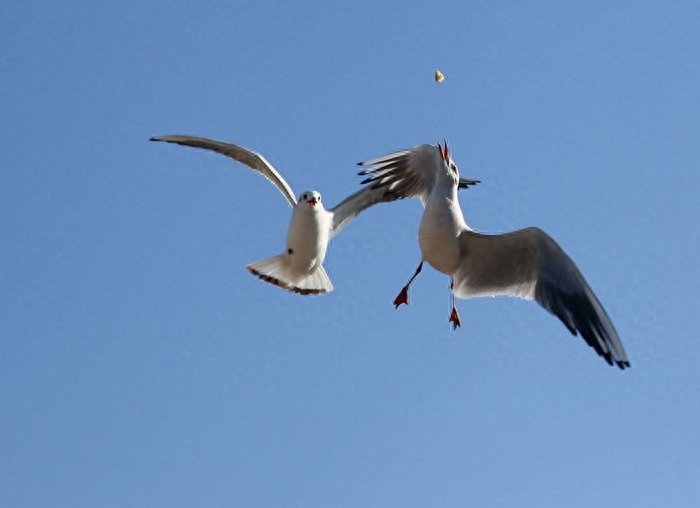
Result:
[
  {"x": 357, "y": 203},
  {"x": 529, "y": 264},
  {"x": 408, "y": 173},
  {"x": 253, "y": 160}
]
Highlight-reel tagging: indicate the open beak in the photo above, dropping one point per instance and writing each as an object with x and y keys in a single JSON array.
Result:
[{"x": 311, "y": 201}]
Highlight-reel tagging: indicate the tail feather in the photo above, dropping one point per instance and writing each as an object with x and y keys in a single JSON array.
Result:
[
  {"x": 316, "y": 283},
  {"x": 277, "y": 271}
]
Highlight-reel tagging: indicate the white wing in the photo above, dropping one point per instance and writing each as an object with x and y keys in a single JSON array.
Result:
[
  {"x": 253, "y": 160},
  {"x": 408, "y": 173},
  {"x": 357, "y": 203},
  {"x": 529, "y": 264},
  {"x": 399, "y": 175}
]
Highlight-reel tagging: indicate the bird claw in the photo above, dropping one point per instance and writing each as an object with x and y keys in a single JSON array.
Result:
[
  {"x": 402, "y": 298},
  {"x": 454, "y": 319}
]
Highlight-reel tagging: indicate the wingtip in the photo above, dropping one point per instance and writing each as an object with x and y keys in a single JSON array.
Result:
[
  {"x": 466, "y": 185},
  {"x": 368, "y": 180},
  {"x": 623, "y": 364}
]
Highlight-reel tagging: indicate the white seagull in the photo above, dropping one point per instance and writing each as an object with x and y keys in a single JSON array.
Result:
[
  {"x": 299, "y": 268},
  {"x": 526, "y": 263}
]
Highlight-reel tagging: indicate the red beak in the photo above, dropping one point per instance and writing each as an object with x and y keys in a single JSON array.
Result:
[{"x": 311, "y": 201}]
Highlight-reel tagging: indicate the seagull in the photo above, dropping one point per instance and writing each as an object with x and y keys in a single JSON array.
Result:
[
  {"x": 299, "y": 268},
  {"x": 526, "y": 263}
]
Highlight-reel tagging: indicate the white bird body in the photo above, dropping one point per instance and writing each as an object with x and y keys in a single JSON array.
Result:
[
  {"x": 440, "y": 226},
  {"x": 307, "y": 238},
  {"x": 299, "y": 268},
  {"x": 527, "y": 263}
]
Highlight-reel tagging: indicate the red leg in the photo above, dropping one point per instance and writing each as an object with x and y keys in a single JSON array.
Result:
[
  {"x": 403, "y": 295},
  {"x": 454, "y": 319},
  {"x": 454, "y": 315}
]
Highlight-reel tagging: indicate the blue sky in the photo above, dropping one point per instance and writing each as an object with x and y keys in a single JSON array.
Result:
[{"x": 142, "y": 365}]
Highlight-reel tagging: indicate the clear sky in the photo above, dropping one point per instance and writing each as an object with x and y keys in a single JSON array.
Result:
[{"x": 141, "y": 365}]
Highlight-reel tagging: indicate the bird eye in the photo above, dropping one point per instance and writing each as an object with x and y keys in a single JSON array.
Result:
[
  {"x": 303, "y": 196},
  {"x": 319, "y": 198}
]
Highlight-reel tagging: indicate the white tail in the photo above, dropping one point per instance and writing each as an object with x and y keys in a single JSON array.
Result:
[
  {"x": 316, "y": 283},
  {"x": 277, "y": 270}
]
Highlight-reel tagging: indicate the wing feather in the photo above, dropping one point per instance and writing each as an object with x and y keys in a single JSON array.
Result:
[
  {"x": 529, "y": 264},
  {"x": 408, "y": 173},
  {"x": 253, "y": 160},
  {"x": 357, "y": 203}
]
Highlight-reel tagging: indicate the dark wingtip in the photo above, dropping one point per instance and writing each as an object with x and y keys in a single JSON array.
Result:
[
  {"x": 466, "y": 185},
  {"x": 623, "y": 364},
  {"x": 367, "y": 180}
]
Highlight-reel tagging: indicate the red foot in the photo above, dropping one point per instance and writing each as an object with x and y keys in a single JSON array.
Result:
[
  {"x": 402, "y": 298},
  {"x": 454, "y": 319}
]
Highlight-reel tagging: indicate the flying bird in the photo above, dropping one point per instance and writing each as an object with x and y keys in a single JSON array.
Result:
[
  {"x": 299, "y": 268},
  {"x": 526, "y": 263}
]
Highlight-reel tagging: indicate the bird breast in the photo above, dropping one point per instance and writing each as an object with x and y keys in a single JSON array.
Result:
[
  {"x": 438, "y": 236},
  {"x": 307, "y": 239}
]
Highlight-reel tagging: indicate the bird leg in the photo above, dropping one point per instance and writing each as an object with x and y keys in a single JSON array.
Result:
[
  {"x": 454, "y": 319},
  {"x": 403, "y": 295},
  {"x": 454, "y": 316}
]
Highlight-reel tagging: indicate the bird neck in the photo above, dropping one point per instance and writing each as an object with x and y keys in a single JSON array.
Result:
[{"x": 444, "y": 191}]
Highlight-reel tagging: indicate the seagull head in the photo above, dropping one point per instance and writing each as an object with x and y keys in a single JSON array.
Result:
[
  {"x": 310, "y": 200},
  {"x": 451, "y": 169}
]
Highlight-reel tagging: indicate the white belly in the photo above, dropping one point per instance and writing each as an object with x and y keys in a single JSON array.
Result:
[
  {"x": 307, "y": 241},
  {"x": 438, "y": 237}
]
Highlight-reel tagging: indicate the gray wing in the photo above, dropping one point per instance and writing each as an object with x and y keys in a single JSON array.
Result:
[
  {"x": 357, "y": 203},
  {"x": 529, "y": 264},
  {"x": 253, "y": 160}
]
